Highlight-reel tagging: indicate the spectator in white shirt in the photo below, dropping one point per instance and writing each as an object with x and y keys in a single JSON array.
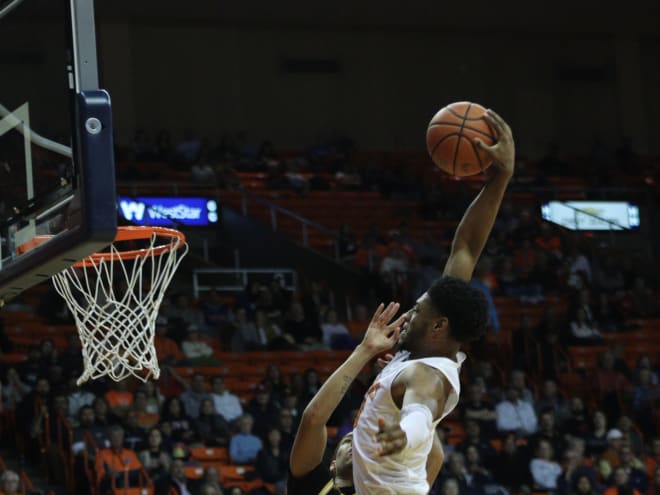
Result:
[
  {"x": 196, "y": 351},
  {"x": 335, "y": 334},
  {"x": 515, "y": 415},
  {"x": 226, "y": 404},
  {"x": 544, "y": 469},
  {"x": 583, "y": 331}
]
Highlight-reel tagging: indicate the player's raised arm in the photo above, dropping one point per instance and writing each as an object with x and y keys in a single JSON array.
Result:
[
  {"x": 309, "y": 444},
  {"x": 474, "y": 229}
]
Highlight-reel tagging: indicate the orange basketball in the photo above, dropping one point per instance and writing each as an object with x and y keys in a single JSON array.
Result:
[{"x": 450, "y": 139}]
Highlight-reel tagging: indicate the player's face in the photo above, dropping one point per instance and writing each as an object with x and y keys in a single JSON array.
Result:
[
  {"x": 344, "y": 457},
  {"x": 417, "y": 322}
]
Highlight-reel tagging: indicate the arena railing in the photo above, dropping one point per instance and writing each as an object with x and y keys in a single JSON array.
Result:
[{"x": 239, "y": 278}]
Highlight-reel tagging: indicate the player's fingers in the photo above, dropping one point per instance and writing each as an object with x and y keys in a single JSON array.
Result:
[
  {"x": 495, "y": 125},
  {"x": 480, "y": 144},
  {"x": 378, "y": 312},
  {"x": 496, "y": 116},
  {"x": 397, "y": 323},
  {"x": 389, "y": 312}
]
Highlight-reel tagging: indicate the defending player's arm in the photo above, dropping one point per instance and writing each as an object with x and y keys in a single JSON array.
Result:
[
  {"x": 474, "y": 229},
  {"x": 309, "y": 444}
]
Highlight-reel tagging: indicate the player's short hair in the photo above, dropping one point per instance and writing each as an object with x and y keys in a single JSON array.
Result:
[{"x": 464, "y": 306}]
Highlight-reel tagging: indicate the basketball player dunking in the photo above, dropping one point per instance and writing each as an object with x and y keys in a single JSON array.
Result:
[{"x": 395, "y": 449}]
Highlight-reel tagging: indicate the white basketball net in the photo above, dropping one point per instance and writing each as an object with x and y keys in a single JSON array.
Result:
[{"x": 115, "y": 305}]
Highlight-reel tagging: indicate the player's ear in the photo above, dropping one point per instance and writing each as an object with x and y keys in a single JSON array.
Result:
[
  {"x": 440, "y": 325},
  {"x": 333, "y": 468}
]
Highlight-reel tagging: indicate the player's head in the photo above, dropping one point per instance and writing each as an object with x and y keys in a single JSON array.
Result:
[
  {"x": 341, "y": 466},
  {"x": 451, "y": 310}
]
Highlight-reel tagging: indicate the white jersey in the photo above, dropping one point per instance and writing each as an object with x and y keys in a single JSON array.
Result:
[{"x": 403, "y": 473}]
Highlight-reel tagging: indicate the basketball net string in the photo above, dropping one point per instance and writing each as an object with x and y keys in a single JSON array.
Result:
[{"x": 115, "y": 313}]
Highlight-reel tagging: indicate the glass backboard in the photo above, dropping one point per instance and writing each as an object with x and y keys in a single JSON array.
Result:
[{"x": 57, "y": 190}]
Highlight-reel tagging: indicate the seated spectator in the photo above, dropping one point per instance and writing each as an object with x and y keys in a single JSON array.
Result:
[
  {"x": 545, "y": 470},
  {"x": 217, "y": 315},
  {"x": 181, "y": 315},
  {"x": 210, "y": 427},
  {"x": 245, "y": 336},
  {"x": 473, "y": 438},
  {"x": 179, "y": 423},
  {"x": 10, "y": 483},
  {"x": 645, "y": 400},
  {"x": 244, "y": 446},
  {"x": 508, "y": 468},
  {"x": 167, "y": 350},
  {"x": 119, "y": 398},
  {"x": 275, "y": 383},
  {"x": 262, "y": 409},
  {"x": 225, "y": 403},
  {"x": 135, "y": 437},
  {"x": 478, "y": 410},
  {"x": 194, "y": 393},
  {"x": 155, "y": 458},
  {"x": 577, "y": 421},
  {"x": 196, "y": 351},
  {"x": 610, "y": 459},
  {"x": 78, "y": 397},
  {"x": 519, "y": 382},
  {"x": 655, "y": 487},
  {"x": 175, "y": 482},
  {"x": 287, "y": 428},
  {"x": 608, "y": 383},
  {"x": 583, "y": 332},
  {"x": 597, "y": 438},
  {"x": 102, "y": 414},
  {"x": 145, "y": 418},
  {"x": 154, "y": 397},
  {"x": 630, "y": 435},
  {"x": 550, "y": 400},
  {"x": 548, "y": 432},
  {"x": 620, "y": 484},
  {"x": 515, "y": 415},
  {"x": 579, "y": 269},
  {"x": 210, "y": 481},
  {"x": 15, "y": 389},
  {"x": 270, "y": 336},
  {"x": 87, "y": 427},
  {"x": 303, "y": 329},
  {"x": 335, "y": 334},
  {"x": 634, "y": 469},
  {"x": 467, "y": 483},
  {"x": 574, "y": 467},
  {"x": 475, "y": 467},
  {"x": 113, "y": 463},
  {"x": 273, "y": 461}
]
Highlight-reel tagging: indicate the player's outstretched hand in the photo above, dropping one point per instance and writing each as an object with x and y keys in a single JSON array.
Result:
[
  {"x": 382, "y": 332},
  {"x": 391, "y": 438},
  {"x": 503, "y": 152}
]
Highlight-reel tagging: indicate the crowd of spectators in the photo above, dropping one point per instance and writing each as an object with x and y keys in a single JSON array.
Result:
[{"x": 515, "y": 431}]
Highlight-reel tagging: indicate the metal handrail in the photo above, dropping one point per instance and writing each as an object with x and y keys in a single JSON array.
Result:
[{"x": 243, "y": 274}]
